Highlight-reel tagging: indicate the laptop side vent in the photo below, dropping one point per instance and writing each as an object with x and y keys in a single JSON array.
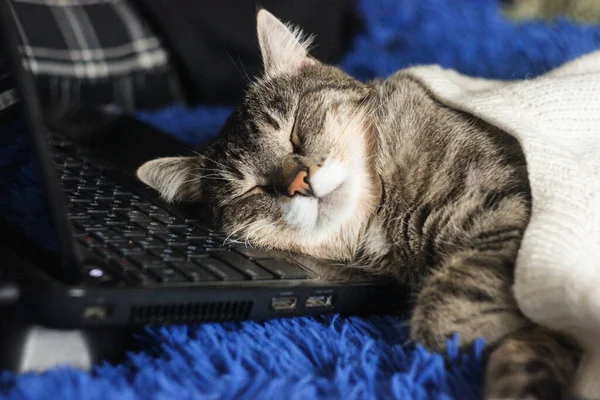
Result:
[{"x": 190, "y": 312}]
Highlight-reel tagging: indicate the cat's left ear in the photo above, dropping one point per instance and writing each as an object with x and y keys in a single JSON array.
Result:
[
  {"x": 283, "y": 49},
  {"x": 173, "y": 178}
]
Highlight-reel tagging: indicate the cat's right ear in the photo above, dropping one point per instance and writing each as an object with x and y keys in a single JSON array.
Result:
[
  {"x": 173, "y": 178},
  {"x": 283, "y": 49}
]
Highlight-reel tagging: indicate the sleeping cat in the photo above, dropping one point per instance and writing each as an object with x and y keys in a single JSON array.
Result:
[{"x": 382, "y": 176}]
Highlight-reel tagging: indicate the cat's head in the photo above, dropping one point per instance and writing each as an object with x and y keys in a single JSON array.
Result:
[{"x": 292, "y": 167}]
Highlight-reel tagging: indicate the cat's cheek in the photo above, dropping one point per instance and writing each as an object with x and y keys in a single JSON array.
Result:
[
  {"x": 328, "y": 178},
  {"x": 301, "y": 212}
]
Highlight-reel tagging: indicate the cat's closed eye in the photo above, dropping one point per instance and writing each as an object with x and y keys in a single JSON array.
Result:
[
  {"x": 294, "y": 138},
  {"x": 261, "y": 189},
  {"x": 296, "y": 144},
  {"x": 253, "y": 191}
]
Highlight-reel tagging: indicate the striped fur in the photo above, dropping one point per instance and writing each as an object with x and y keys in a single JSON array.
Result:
[{"x": 403, "y": 186}]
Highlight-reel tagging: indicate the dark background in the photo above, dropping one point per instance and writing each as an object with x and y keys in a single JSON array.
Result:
[{"x": 214, "y": 43}]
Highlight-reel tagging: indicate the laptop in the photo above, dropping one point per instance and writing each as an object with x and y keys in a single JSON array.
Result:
[{"x": 86, "y": 244}]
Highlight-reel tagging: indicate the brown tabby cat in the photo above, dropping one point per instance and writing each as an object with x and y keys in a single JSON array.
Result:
[{"x": 383, "y": 176}]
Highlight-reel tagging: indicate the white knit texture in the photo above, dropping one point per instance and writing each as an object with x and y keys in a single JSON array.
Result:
[{"x": 556, "y": 118}]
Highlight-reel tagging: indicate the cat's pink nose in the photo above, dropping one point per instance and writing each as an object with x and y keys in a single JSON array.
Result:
[{"x": 300, "y": 185}]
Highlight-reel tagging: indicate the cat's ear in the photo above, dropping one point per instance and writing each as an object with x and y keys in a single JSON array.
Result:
[
  {"x": 173, "y": 178},
  {"x": 283, "y": 49}
]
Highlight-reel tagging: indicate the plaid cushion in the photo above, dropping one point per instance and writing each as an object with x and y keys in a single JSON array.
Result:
[
  {"x": 95, "y": 51},
  {"x": 8, "y": 95}
]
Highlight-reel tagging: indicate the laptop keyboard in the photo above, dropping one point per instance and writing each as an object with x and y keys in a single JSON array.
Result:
[{"x": 143, "y": 242}]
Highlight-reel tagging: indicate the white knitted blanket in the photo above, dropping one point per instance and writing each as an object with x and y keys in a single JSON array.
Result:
[{"x": 556, "y": 118}]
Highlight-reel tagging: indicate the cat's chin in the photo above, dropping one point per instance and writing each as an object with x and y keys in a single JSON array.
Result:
[
  {"x": 321, "y": 215},
  {"x": 335, "y": 207}
]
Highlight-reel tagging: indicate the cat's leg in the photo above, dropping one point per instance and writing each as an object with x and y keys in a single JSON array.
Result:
[
  {"x": 532, "y": 361},
  {"x": 471, "y": 294}
]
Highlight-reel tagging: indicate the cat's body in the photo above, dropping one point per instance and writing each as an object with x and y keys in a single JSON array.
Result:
[{"x": 386, "y": 178}]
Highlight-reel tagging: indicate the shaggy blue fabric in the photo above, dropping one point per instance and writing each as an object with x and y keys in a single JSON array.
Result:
[
  {"x": 300, "y": 358},
  {"x": 328, "y": 357}
]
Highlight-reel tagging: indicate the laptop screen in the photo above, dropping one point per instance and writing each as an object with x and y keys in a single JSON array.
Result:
[
  {"x": 26, "y": 222},
  {"x": 23, "y": 203},
  {"x": 30, "y": 198}
]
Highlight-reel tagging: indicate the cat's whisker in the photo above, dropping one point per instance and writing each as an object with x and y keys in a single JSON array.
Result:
[
  {"x": 245, "y": 74},
  {"x": 244, "y": 69},
  {"x": 202, "y": 177},
  {"x": 211, "y": 160},
  {"x": 255, "y": 229},
  {"x": 211, "y": 170}
]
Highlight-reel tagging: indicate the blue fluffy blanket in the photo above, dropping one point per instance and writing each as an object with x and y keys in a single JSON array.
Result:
[{"x": 329, "y": 357}]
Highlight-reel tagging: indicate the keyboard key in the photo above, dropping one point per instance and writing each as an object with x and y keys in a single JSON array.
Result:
[
  {"x": 240, "y": 263},
  {"x": 77, "y": 215},
  {"x": 70, "y": 186},
  {"x": 107, "y": 253},
  {"x": 103, "y": 192},
  {"x": 113, "y": 201},
  {"x": 113, "y": 219},
  {"x": 71, "y": 162},
  {"x": 90, "y": 225},
  {"x": 87, "y": 171},
  {"x": 283, "y": 270},
  {"x": 115, "y": 223},
  {"x": 151, "y": 225},
  {"x": 70, "y": 178},
  {"x": 168, "y": 275},
  {"x": 109, "y": 236},
  {"x": 191, "y": 232},
  {"x": 220, "y": 236},
  {"x": 76, "y": 197},
  {"x": 113, "y": 216},
  {"x": 80, "y": 194},
  {"x": 209, "y": 244},
  {"x": 137, "y": 215},
  {"x": 125, "y": 194},
  {"x": 151, "y": 243},
  {"x": 147, "y": 208},
  {"x": 201, "y": 226},
  {"x": 169, "y": 237},
  {"x": 193, "y": 251},
  {"x": 85, "y": 188},
  {"x": 127, "y": 248},
  {"x": 120, "y": 205},
  {"x": 119, "y": 208},
  {"x": 220, "y": 269},
  {"x": 104, "y": 199},
  {"x": 195, "y": 236},
  {"x": 168, "y": 254},
  {"x": 131, "y": 230},
  {"x": 139, "y": 277},
  {"x": 90, "y": 241},
  {"x": 148, "y": 261},
  {"x": 170, "y": 220},
  {"x": 95, "y": 208},
  {"x": 123, "y": 264},
  {"x": 253, "y": 254},
  {"x": 104, "y": 183},
  {"x": 193, "y": 272}
]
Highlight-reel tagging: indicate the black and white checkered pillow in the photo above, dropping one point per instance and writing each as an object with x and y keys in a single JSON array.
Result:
[
  {"x": 97, "y": 51},
  {"x": 8, "y": 94}
]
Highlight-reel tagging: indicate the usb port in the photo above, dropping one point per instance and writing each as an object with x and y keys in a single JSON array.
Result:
[
  {"x": 283, "y": 303},
  {"x": 319, "y": 301}
]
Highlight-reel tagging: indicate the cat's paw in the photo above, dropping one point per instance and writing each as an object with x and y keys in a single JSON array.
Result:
[
  {"x": 515, "y": 381},
  {"x": 527, "y": 370}
]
